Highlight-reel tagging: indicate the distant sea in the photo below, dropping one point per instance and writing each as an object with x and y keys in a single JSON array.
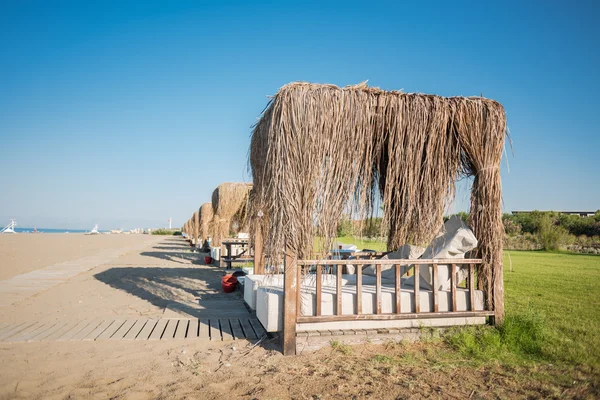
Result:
[{"x": 46, "y": 230}]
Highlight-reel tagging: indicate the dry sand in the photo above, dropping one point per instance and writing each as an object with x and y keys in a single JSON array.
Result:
[{"x": 144, "y": 282}]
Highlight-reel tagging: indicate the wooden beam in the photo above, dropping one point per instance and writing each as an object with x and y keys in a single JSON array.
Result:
[
  {"x": 391, "y": 262},
  {"x": 338, "y": 290},
  {"x": 290, "y": 290},
  {"x": 359, "y": 289},
  {"x": 378, "y": 288},
  {"x": 472, "y": 287},
  {"x": 387, "y": 317},
  {"x": 259, "y": 258}
]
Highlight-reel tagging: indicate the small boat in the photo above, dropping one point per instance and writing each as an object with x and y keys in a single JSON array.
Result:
[{"x": 94, "y": 231}]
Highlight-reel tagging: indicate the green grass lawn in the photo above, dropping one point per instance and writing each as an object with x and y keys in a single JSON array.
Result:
[
  {"x": 375, "y": 244},
  {"x": 558, "y": 292},
  {"x": 563, "y": 288}
]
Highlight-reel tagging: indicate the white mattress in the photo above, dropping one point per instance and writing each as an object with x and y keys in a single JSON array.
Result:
[{"x": 269, "y": 301}]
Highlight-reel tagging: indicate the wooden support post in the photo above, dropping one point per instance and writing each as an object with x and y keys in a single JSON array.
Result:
[
  {"x": 378, "y": 288},
  {"x": 472, "y": 287},
  {"x": 259, "y": 257},
  {"x": 290, "y": 297},
  {"x": 338, "y": 289}
]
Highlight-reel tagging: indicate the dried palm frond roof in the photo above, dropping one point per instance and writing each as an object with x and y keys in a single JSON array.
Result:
[
  {"x": 319, "y": 150},
  {"x": 206, "y": 215},
  {"x": 230, "y": 204}
]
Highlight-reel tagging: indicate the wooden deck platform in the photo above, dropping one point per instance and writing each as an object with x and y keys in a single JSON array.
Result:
[{"x": 134, "y": 329}]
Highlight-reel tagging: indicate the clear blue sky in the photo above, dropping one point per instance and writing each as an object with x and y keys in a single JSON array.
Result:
[{"x": 127, "y": 113}]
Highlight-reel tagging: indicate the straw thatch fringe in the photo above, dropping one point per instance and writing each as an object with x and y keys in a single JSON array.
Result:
[
  {"x": 320, "y": 150},
  {"x": 229, "y": 204}
]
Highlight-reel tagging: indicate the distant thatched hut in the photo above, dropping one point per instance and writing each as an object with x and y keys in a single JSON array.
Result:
[
  {"x": 320, "y": 150},
  {"x": 229, "y": 204},
  {"x": 206, "y": 216}
]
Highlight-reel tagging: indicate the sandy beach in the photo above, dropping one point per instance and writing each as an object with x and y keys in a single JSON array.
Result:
[{"x": 140, "y": 276}]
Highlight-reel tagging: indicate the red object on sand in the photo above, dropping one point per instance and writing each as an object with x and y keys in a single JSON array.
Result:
[
  {"x": 228, "y": 283},
  {"x": 207, "y": 259}
]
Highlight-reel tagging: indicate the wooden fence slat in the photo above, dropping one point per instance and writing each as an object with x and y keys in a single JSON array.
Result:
[
  {"x": 170, "y": 329},
  {"x": 319, "y": 289},
  {"x": 387, "y": 317},
  {"x": 359, "y": 289},
  {"x": 453, "y": 284},
  {"x": 378, "y": 288},
  {"x": 338, "y": 290},
  {"x": 419, "y": 261},
  {"x": 472, "y": 286},
  {"x": 434, "y": 280},
  {"x": 417, "y": 289},
  {"x": 398, "y": 288},
  {"x": 299, "y": 290},
  {"x": 192, "y": 332}
]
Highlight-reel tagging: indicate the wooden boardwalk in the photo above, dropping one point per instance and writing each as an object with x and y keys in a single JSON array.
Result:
[{"x": 134, "y": 329}]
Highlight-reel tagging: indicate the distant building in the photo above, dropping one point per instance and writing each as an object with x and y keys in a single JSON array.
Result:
[{"x": 580, "y": 213}]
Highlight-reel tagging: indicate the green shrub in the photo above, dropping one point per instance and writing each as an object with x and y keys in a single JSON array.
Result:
[
  {"x": 511, "y": 226},
  {"x": 549, "y": 235}
]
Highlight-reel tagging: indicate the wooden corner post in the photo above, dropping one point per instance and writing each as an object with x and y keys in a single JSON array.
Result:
[
  {"x": 259, "y": 258},
  {"x": 290, "y": 298}
]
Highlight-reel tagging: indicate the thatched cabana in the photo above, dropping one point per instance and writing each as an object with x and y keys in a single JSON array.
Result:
[
  {"x": 320, "y": 150},
  {"x": 206, "y": 216},
  {"x": 229, "y": 204},
  {"x": 195, "y": 221}
]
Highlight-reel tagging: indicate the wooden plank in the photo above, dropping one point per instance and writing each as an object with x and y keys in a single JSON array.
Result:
[
  {"x": 159, "y": 329},
  {"x": 170, "y": 329},
  {"x": 453, "y": 284},
  {"x": 17, "y": 335},
  {"x": 30, "y": 333},
  {"x": 299, "y": 289},
  {"x": 338, "y": 290},
  {"x": 3, "y": 326},
  {"x": 290, "y": 288},
  {"x": 319, "y": 289},
  {"x": 472, "y": 287},
  {"x": 63, "y": 330},
  {"x": 192, "y": 332},
  {"x": 110, "y": 330},
  {"x": 123, "y": 330},
  {"x": 258, "y": 328},
  {"x": 136, "y": 328},
  {"x": 15, "y": 329},
  {"x": 215, "y": 330},
  {"x": 359, "y": 289},
  {"x": 42, "y": 335},
  {"x": 386, "y": 317},
  {"x": 398, "y": 289},
  {"x": 419, "y": 261},
  {"x": 226, "y": 329},
  {"x": 204, "y": 326},
  {"x": 182, "y": 328},
  {"x": 248, "y": 330},
  {"x": 147, "y": 330},
  {"x": 84, "y": 332},
  {"x": 236, "y": 329},
  {"x": 434, "y": 281},
  {"x": 417, "y": 289},
  {"x": 378, "y": 288}
]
